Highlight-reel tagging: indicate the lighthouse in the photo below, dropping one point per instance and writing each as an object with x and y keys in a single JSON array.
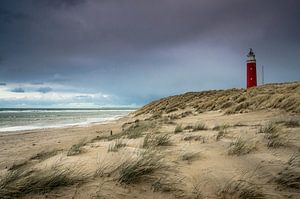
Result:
[{"x": 251, "y": 70}]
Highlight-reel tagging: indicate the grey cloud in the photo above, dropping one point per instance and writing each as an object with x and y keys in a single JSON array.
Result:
[
  {"x": 61, "y": 3},
  {"x": 18, "y": 90},
  {"x": 44, "y": 89},
  {"x": 2, "y": 84},
  {"x": 37, "y": 83}
]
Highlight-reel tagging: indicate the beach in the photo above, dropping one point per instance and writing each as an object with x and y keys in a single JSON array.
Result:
[
  {"x": 181, "y": 151},
  {"x": 20, "y": 145}
]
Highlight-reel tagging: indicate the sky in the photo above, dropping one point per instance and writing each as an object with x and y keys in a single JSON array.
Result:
[{"x": 101, "y": 53}]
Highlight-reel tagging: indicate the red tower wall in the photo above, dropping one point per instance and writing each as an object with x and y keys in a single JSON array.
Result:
[{"x": 251, "y": 75}]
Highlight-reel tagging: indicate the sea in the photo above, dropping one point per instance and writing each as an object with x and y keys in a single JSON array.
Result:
[{"x": 12, "y": 120}]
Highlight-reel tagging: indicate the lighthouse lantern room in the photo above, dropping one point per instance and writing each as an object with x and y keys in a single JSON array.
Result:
[{"x": 251, "y": 70}]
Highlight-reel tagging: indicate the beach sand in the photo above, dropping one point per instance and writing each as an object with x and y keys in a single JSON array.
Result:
[{"x": 193, "y": 163}]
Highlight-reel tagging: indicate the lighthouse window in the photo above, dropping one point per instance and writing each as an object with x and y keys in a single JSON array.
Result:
[
  {"x": 251, "y": 78},
  {"x": 250, "y": 68}
]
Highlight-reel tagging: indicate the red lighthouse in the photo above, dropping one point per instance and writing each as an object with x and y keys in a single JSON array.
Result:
[{"x": 251, "y": 70}]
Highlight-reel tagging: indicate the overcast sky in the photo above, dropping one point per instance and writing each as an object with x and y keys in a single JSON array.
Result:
[{"x": 92, "y": 53}]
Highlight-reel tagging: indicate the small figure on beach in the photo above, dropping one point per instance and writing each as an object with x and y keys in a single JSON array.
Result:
[{"x": 111, "y": 132}]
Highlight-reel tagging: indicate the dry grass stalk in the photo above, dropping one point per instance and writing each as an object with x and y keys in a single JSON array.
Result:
[
  {"x": 199, "y": 127},
  {"x": 290, "y": 123},
  {"x": 45, "y": 154},
  {"x": 178, "y": 129},
  {"x": 137, "y": 129},
  {"x": 290, "y": 175},
  {"x": 156, "y": 140},
  {"x": 273, "y": 135},
  {"x": 77, "y": 148},
  {"x": 190, "y": 156},
  {"x": 141, "y": 168},
  {"x": 22, "y": 181},
  {"x": 239, "y": 147},
  {"x": 241, "y": 189},
  {"x": 222, "y": 127},
  {"x": 116, "y": 145}
]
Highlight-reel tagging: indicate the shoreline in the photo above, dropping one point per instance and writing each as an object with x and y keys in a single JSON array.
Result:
[
  {"x": 62, "y": 126},
  {"x": 66, "y": 127},
  {"x": 21, "y": 145}
]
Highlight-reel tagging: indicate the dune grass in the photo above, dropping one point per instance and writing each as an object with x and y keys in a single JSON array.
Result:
[
  {"x": 194, "y": 137},
  {"x": 188, "y": 127},
  {"x": 141, "y": 168},
  {"x": 222, "y": 131},
  {"x": 190, "y": 156},
  {"x": 77, "y": 148},
  {"x": 221, "y": 134},
  {"x": 290, "y": 123},
  {"x": 137, "y": 129},
  {"x": 199, "y": 127},
  {"x": 178, "y": 129},
  {"x": 22, "y": 181},
  {"x": 290, "y": 175},
  {"x": 45, "y": 154},
  {"x": 156, "y": 140},
  {"x": 269, "y": 128},
  {"x": 18, "y": 165},
  {"x": 116, "y": 145},
  {"x": 239, "y": 147},
  {"x": 241, "y": 189},
  {"x": 274, "y": 135},
  {"x": 221, "y": 127}
]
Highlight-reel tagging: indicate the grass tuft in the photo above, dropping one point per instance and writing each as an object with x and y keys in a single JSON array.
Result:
[
  {"x": 221, "y": 127},
  {"x": 18, "y": 165},
  {"x": 199, "y": 127},
  {"x": 77, "y": 148},
  {"x": 190, "y": 156},
  {"x": 141, "y": 168},
  {"x": 273, "y": 135},
  {"x": 45, "y": 154},
  {"x": 19, "y": 182},
  {"x": 178, "y": 129},
  {"x": 290, "y": 175},
  {"x": 290, "y": 123},
  {"x": 239, "y": 147},
  {"x": 269, "y": 128},
  {"x": 138, "y": 128},
  {"x": 115, "y": 146},
  {"x": 222, "y": 131},
  {"x": 194, "y": 137},
  {"x": 241, "y": 189},
  {"x": 158, "y": 140}
]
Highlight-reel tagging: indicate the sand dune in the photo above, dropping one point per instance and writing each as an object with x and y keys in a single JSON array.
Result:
[{"x": 214, "y": 144}]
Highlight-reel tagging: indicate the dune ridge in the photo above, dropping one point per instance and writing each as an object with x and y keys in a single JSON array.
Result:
[{"x": 284, "y": 96}]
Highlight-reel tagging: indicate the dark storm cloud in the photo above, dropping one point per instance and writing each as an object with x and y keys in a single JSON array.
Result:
[
  {"x": 44, "y": 89},
  {"x": 60, "y": 3},
  {"x": 2, "y": 84},
  {"x": 18, "y": 90},
  {"x": 142, "y": 49}
]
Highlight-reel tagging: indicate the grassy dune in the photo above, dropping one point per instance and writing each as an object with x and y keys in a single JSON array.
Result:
[
  {"x": 271, "y": 96},
  {"x": 185, "y": 146}
]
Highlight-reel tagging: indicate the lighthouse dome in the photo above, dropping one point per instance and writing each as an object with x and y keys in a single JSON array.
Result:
[{"x": 251, "y": 56}]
